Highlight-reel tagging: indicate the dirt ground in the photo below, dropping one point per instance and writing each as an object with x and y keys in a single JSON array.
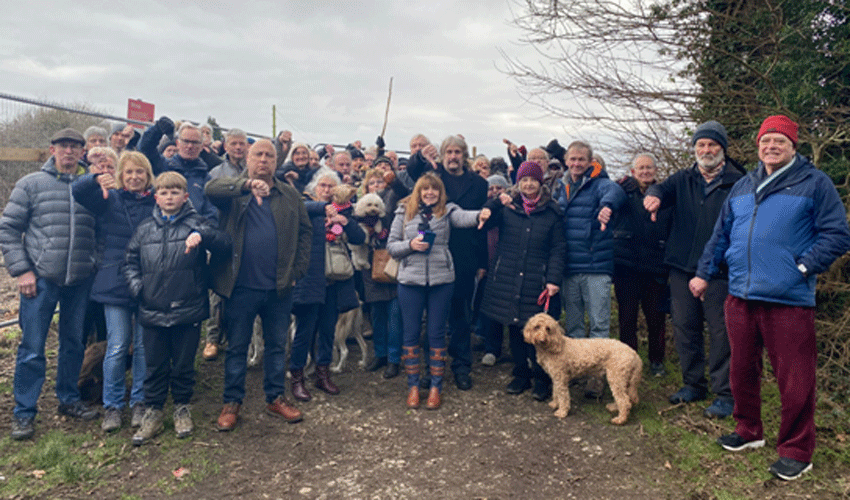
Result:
[{"x": 364, "y": 443}]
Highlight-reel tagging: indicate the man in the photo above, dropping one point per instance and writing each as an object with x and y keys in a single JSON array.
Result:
[
  {"x": 781, "y": 225},
  {"x": 467, "y": 246},
  {"x": 236, "y": 151},
  {"x": 588, "y": 198},
  {"x": 696, "y": 195},
  {"x": 187, "y": 161},
  {"x": 342, "y": 165},
  {"x": 282, "y": 143},
  {"x": 95, "y": 137},
  {"x": 124, "y": 136},
  {"x": 271, "y": 235},
  {"x": 48, "y": 243}
]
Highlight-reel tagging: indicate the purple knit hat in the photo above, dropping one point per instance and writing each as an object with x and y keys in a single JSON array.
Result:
[{"x": 530, "y": 168}]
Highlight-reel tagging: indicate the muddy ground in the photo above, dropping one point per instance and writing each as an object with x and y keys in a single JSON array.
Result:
[{"x": 364, "y": 443}]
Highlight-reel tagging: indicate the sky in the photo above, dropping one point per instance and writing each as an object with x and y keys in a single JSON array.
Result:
[{"x": 326, "y": 66}]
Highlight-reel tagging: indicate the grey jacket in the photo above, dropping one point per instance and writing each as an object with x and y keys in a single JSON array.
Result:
[
  {"x": 435, "y": 267},
  {"x": 45, "y": 231}
]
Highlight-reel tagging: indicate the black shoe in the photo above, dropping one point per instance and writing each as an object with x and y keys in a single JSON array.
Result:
[
  {"x": 734, "y": 442},
  {"x": 463, "y": 381},
  {"x": 789, "y": 469},
  {"x": 78, "y": 409},
  {"x": 518, "y": 385},
  {"x": 376, "y": 364},
  {"x": 542, "y": 390},
  {"x": 391, "y": 371},
  {"x": 657, "y": 369},
  {"x": 22, "y": 428},
  {"x": 687, "y": 394}
]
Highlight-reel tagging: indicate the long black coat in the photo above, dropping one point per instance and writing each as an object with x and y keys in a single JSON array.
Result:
[
  {"x": 638, "y": 241},
  {"x": 530, "y": 254}
]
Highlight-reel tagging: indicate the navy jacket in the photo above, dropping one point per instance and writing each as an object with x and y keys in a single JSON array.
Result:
[
  {"x": 797, "y": 218},
  {"x": 638, "y": 241}
]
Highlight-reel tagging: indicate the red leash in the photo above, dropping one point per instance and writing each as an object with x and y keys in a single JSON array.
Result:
[{"x": 543, "y": 300}]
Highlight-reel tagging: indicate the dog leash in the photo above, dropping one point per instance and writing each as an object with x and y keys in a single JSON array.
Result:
[{"x": 543, "y": 300}]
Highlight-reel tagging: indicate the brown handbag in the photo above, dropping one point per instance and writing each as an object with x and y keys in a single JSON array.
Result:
[{"x": 384, "y": 267}]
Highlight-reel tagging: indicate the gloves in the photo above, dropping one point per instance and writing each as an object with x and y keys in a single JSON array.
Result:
[{"x": 165, "y": 125}]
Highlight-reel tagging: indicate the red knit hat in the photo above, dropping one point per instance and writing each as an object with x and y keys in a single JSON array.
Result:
[
  {"x": 781, "y": 124},
  {"x": 530, "y": 168}
]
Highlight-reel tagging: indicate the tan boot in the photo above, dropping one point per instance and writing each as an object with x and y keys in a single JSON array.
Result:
[{"x": 413, "y": 397}]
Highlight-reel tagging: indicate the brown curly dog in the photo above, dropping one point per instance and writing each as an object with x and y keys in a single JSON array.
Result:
[{"x": 565, "y": 358}]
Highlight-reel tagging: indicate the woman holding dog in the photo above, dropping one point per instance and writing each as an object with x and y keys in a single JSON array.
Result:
[
  {"x": 419, "y": 240},
  {"x": 523, "y": 279},
  {"x": 317, "y": 301}
]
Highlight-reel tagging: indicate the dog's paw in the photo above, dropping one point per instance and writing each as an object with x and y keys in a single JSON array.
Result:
[
  {"x": 336, "y": 368},
  {"x": 612, "y": 407},
  {"x": 561, "y": 413},
  {"x": 553, "y": 404},
  {"x": 619, "y": 420}
]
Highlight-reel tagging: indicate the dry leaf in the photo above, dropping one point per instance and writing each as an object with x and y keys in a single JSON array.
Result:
[
  {"x": 38, "y": 473},
  {"x": 667, "y": 465}
]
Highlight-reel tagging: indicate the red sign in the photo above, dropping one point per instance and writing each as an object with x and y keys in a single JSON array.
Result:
[{"x": 140, "y": 110}]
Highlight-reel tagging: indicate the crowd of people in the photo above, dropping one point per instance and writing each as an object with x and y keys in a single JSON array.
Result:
[{"x": 166, "y": 229}]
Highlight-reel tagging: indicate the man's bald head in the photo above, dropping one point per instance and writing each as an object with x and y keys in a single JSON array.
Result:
[{"x": 262, "y": 160}]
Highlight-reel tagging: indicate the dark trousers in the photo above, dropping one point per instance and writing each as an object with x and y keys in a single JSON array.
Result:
[
  {"x": 637, "y": 290},
  {"x": 413, "y": 300},
  {"x": 240, "y": 310},
  {"x": 688, "y": 314},
  {"x": 170, "y": 363},
  {"x": 460, "y": 338},
  {"x": 788, "y": 334},
  {"x": 306, "y": 321}
]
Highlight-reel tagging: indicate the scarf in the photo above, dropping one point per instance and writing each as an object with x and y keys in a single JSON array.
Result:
[{"x": 529, "y": 205}]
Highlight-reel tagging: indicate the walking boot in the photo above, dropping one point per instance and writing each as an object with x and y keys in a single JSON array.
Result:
[
  {"x": 323, "y": 380},
  {"x": 437, "y": 368},
  {"x": 299, "y": 390},
  {"x": 410, "y": 359}
]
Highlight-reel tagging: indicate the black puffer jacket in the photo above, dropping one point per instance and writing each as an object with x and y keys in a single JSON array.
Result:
[
  {"x": 639, "y": 242},
  {"x": 529, "y": 255},
  {"x": 171, "y": 285}
]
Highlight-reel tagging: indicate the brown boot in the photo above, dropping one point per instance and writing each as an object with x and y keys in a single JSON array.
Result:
[
  {"x": 299, "y": 390},
  {"x": 433, "y": 399},
  {"x": 413, "y": 397},
  {"x": 229, "y": 415},
  {"x": 323, "y": 380},
  {"x": 280, "y": 407}
]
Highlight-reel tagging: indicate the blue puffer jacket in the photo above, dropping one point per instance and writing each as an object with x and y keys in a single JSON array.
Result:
[
  {"x": 796, "y": 219},
  {"x": 117, "y": 219},
  {"x": 589, "y": 250}
]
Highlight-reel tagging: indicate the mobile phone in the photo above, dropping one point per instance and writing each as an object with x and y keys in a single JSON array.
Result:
[{"x": 428, "y": 237}]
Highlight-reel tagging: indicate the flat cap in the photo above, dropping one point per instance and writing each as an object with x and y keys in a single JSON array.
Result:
[{"x": 68, "y": 134}]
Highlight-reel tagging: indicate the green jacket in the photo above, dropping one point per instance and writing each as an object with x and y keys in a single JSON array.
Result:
[{"x": 294, "y": 231}]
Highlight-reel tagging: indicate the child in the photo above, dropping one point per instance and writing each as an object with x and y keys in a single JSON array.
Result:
[{"x": 166, "y": 272}]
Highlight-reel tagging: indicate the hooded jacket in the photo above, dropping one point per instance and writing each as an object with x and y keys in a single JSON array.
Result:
[{"x": 763, "y": 236}]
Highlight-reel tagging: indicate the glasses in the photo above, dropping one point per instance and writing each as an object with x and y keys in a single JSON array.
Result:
[
  {"x": 326, "y": 186},
  {"x": 191, "y": 143}
]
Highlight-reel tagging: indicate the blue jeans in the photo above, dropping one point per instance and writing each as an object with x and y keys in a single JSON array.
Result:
[
  {"x": 386, "y": 330},
  {"x": 413, "y": 300},
  {"x": 35, "y": 316},
  {"x": 240, "y": 310},
  {"x": 122, "y": 329},
  {"x": 591, "y": 292}
]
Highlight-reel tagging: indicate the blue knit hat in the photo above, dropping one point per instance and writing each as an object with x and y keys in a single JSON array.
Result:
[{"x": 712, "y": 130}]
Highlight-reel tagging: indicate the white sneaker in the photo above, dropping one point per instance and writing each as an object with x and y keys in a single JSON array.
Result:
[{"x": 489, "y": 359}]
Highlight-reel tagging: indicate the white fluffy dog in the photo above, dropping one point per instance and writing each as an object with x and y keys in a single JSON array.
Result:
[{"x": 368, "y": 213}]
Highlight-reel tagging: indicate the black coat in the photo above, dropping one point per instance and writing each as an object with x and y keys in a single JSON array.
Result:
[
  {"x": 171, "y": 285},
  {"x": 639, "y": 242},
  {"x": 530, "y": 254}
]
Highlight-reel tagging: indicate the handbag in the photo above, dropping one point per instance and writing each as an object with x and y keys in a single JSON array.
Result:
[
  {"x": 384, "y": 267},
  {"x": 337, "y": 261},
  {"x": 381, "y": 261}
]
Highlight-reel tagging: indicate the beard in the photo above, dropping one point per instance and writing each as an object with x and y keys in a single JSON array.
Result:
[{"x": 709, "y": 162}]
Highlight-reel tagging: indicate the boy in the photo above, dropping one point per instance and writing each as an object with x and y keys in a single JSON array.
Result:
[{"x": 166, "y": 272}]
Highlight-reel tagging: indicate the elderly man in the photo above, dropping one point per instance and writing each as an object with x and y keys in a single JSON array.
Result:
[
  {"x": 271, "y": 233},
  {"x": 124, "y": 136},
  {"x": 467, "y": 246},
  {"x": 780, "y": 226},
  {"x": 588, "y": 198},
  {"x": 187, "y": 161},
  {"x": 696, "y": 195},
  {"x": 94, "y": 137},
  {"x": 48, "y": 243}
]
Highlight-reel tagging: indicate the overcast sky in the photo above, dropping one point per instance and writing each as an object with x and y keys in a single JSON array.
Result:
[{"x": 325, "y": 65}]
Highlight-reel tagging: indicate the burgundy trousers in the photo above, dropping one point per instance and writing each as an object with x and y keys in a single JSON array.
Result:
[{"x": 788, "y": 334}]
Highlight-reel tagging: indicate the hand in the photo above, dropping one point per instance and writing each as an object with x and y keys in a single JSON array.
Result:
[
  {"x": 329, "y": 150},
  {"x": 698, "y": 286},
  {"x": 389, "y": 177},
  {"x": 651, "y": 204},
  {"x": 128, "y": 131},
  {"x": 479, "y": 275},
  {"x": 107, "y": 182},
  {"x": 604, "y": 217},
  {"x": 258, "y": 188},
  {"x": 337, "y": 219},
  {"x": 483, "y": 215},
  {"x": 285, "y": 137},
  {"x": 165, "y": 125},
  {"x": 429, "y": 152},
  {"x": 26, "y": 284},
  {"x": 330, "y": 211},
  {"x": 552, "y": 289},
  {"x": 291, "y": 176},
  {"x": 513, "y": 150},
  {"x": 505, "y": 198},
  {"x": 418, "y": 244},
  {"x": 193, "y": 241}
]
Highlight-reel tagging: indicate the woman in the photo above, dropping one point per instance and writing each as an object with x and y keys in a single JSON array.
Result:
[
  {"x": 296, "y": 170},
  {"x": 419, "y": 240},
  {"x": 386, "y": 314},
  {"x": 529, "y": 261},
  {"x": 317, "y": 301},
  {"x": 120, "y": 202},
  {"x": 640, "y": 276}
]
